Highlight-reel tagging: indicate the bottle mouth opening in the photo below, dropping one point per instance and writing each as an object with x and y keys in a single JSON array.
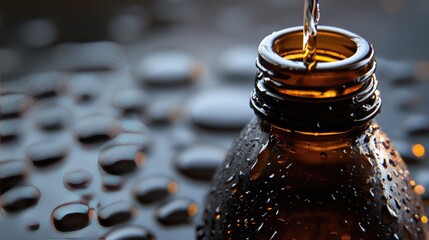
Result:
[
  {"x": 331, "y": 47},
  {"x": 336, "y": 49},
  {"x": 340, "y": 51}
]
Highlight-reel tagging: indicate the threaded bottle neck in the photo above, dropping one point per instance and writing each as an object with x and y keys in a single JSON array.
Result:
[{"x": 339, "y": 94}]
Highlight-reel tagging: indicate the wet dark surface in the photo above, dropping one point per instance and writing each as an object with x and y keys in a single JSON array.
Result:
[{"x": 112, "y": 126}]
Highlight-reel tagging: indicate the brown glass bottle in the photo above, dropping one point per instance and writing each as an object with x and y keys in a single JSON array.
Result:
[{"x": 313, "y": 164}]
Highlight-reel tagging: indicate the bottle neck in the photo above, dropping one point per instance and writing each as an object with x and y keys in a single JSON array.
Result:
[{"x": 339, "y": 94}]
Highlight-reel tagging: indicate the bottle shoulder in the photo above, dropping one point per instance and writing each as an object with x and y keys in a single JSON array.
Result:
[{"x": 363, "y": 182}]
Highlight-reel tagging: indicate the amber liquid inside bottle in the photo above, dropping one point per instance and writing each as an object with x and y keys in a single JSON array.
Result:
[{"x": 313, "y": 164}]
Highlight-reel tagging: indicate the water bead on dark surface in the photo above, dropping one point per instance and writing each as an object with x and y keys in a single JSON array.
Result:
[
  {"x": 129, "y": 233},
  {"x": 52, "y": 118},
  {"x": 238, "y": 63},
  {"x": 19, "y": 198},
  {"x": 200, "y": 161},
  {"x": 416, "y": 124},
  {"x": 12, "y": 105},
  {"x": 130, "y": 101},
  {"x": 112, "y": 182},
  {"x": 399, "y": 73},
  {"x": 45, "y": 85},
  {"x": 408, "y": 99},
  {"x": 47, "y": 152},
  {"x": 12, "y": 172},
  {"x": 121, "y": 159},
  {"x": 89, "y": 57},
  {"x": 133, "y": 126},
  {"x": 161, "y": 113},
  {"x": 220, "y": 109},
  {"x": 182, "y": 138},
  {"x": 154, "y": 189},
  {"x": 10, "y": 130},
  {"x": 115, "y": 213},
  {"x": 142, "y": 140},
  {"x": 97, "y": 129},
  {"x": 85, "y": 88},
  {"x": 77, "y": 179},
  {"x": 177, "y": 211},
  {"x": 167, "y": 69},
  {"x": 71, "y": 217}
]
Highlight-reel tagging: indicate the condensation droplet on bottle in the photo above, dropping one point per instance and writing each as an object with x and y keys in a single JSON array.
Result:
[
  {"x": 389, "y": 215},
  {"x": 389, "y": 177},
  {"x": 361, "y": 227},
  {"x": 259, "y": 165},
  {"x": 371, "y": 191}
]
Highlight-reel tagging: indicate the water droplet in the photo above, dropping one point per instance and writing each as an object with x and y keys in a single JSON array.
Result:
[
  {"x": 259, "y": 165},
  {"x": 238, "y": 63},
  {"x": 19, "y": 198},
  {"x": 112, "y": 182},
  {"x": 384, "y": 163},
  {"x": 273, "y": 235},
  {"x": 121, "y": 159},
  {"x": 45, "y": 85},
  {"x": 11, "y": 174},
  {"x": 129, "y": 232},
  {"x": 200, "y": 161},
  {"x": 230, "y": 179},
  {"x": 10, "y": 130},
  {"x": 155, "y": 189},
  {"x": 163, "y": 69},
  {"x": 47, "y": 152},
  {"x": 177, "y": 211},
  {"x": 97, "y": 129},
  {"x": 389, "y": 215},
  {"x": 12, "y": 105},
  {"x": 71, "y": 217},
  {"x": 98, "y": 57},
  {"x": 115, "y": 213},
  {"x": 52, "y": 118},
  {"x": 416, "y": 125},
  {"x": 397, "y": 204},
  {"x": 220, "y": 109},
  {"x": 131, "y": 101},
  {"x": 141, "y": 140},
  {"x": 84, "y": 87},
  {"x": 77, "y": 179},
  {"x": 361, "y": 227},
  {"x": 371, "y": 191}
]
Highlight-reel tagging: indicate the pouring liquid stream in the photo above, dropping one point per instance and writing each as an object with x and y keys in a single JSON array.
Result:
[{"x": 311, "y": 19}]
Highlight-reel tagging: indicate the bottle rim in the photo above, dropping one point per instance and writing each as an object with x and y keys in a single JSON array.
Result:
[
  {"x": 352, "y": 58},
  {"x": 268, "y": 49}
]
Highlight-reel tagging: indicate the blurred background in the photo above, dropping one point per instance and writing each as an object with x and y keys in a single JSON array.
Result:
[{"x": 171, "y": 79}]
